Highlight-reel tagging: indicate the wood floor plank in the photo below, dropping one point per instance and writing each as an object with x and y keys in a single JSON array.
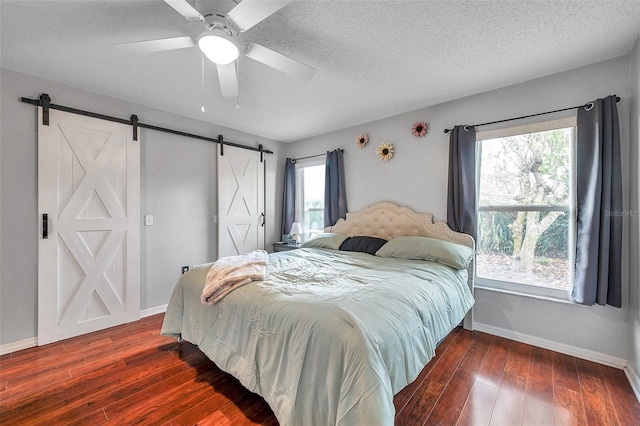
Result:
[
  {"x": 82, "y": 393},
  {"x": 200, "y": 410},
  {"x": 493, "y": 366},
  {"x": 34, "y": 353},
  {"x": 539, "y": 403},
  {"x": 193, "y": 407},
  {"x": 249, "y": 409},
  {"x": 595, "y": 396},
  {"x": 508, "y": 409},
  {"x": 146, "y": 391},
  {"x": 132, "y": 375},
  {"x": 163, "y": 406},
  {"x": 216, "y": 418},
  {"x": 568, "y": 407},
  {"x": 565, "y": 372},
  {"x": 624, "y": 400},
  {"x": 405, "y": 394},
  {"x": 479, "y": 405},
  {"x": 37, "y": 380},
  {"x": 95, "y": 395},
  {"x": 85, "y": 341},
  {"x": 422, "y": 402},
  {"x": 96, "y": 351},
  {"x": 457, "y": 390},
  {"x": 444, "y": 368},
  {"x": 95, "y": 363},
  {"x": 46, "y": 400}
]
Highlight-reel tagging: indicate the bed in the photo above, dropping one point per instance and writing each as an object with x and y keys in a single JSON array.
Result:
[{"x": 330, "y": 336}]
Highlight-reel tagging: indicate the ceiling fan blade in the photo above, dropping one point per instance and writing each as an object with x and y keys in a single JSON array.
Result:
[
  {"x": 250, "y": 12},
  {"x": 159, "y": 45},
  {"x": 228, "y": 80},
  {"x": 279, "y": 61},
  {"x": 185, "y": 9}
]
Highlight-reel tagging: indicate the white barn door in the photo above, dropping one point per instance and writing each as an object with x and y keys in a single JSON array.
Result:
[
  {"x": 240, "y": 201},
  {"x": 89, "y": 245}
]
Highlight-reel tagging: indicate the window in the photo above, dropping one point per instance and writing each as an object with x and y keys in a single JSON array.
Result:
[
  {"x": 310, "y": 196},
  {"x": 526, "y": 208}
]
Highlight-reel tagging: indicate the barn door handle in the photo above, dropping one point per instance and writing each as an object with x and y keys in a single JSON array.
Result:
[
  {"x": 262, "y": 216},
  {"x": 45, "y": 226}
]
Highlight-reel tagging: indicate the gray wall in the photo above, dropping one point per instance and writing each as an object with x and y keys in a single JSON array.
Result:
[
  {"x": 634, "y": 249},
  {"x": 417, "y": 177},
  {"x": 178, "y": 187}
]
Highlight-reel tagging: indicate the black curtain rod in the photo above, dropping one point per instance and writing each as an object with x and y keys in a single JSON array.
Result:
[
  {"x": 532, "y": 115},
  {"x": 317, "y": 155},
  {"x": 44, "y": 102}
]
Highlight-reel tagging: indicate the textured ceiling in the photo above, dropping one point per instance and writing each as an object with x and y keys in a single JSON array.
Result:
[{"x": 373, "y": 58}]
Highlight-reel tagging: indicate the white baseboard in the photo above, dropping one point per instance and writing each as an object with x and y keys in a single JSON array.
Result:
[
  {"x": 152, "y": 311},
  {"x": 587, "y": 354},
  {"x": 633, "y": 378},
  {"x": 18, "y": 346}
]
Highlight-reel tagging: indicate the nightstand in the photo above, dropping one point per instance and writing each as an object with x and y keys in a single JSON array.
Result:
[{"x": 285, "y": 246}]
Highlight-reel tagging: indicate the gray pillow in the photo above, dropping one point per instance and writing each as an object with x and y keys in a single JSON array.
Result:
[
  {"x": 423, "y": 248},
  {"x": 327, "y": 240}
]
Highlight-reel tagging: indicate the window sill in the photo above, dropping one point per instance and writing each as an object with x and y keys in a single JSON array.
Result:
[{"x": 546, "y": 298}]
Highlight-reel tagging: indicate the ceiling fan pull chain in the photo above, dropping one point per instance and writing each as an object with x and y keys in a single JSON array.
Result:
[
  {"x": 202, "y": 88},
  {"x": 238, "y": 95}
]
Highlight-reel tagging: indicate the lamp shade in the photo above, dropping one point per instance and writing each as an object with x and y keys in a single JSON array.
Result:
[
  {"x": 296, "y": 229},
  {"x": 219, "y": 50}
]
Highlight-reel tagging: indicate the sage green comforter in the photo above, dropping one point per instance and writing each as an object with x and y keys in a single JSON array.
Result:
[{"x": 329, "y": 337}]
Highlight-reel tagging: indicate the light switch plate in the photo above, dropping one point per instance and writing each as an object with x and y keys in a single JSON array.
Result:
[{"x": 148, "y": 220}]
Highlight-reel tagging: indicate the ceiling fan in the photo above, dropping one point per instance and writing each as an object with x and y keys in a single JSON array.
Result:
[{"x": 218, "y": 41}]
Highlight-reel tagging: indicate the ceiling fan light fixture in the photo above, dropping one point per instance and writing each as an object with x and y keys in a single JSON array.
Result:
[{"x": 219, "y": 50}]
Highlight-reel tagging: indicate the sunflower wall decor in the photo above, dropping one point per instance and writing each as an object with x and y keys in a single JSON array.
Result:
[
  {"x": 362, "y": 140},
  {"x": 385, "y": 151},
  {"x": 420, "y": 129}
]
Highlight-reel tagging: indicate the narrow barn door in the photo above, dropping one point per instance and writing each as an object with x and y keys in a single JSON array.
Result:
[
  {"x": 89, "y": 210},
  {"x": 240, "y": 201}
]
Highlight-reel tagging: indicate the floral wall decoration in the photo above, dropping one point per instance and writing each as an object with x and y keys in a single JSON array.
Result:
[
  {"x": 362, "y": 140},
  {"x": 420, "y": 129},
  {"x": 385, "y": 151}
]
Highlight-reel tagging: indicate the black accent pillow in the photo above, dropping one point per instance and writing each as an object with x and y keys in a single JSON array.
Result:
[{"x": 363, "y": 244}]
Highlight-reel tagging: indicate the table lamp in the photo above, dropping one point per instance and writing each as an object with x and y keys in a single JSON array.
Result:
[{"x": 296, "y": 230}]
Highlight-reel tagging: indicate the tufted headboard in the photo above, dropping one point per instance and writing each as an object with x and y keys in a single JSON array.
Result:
[{"x": 388, "y": 220}]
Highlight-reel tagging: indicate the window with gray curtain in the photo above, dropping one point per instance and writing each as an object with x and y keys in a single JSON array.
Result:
[{"x": 599, "y": 207}]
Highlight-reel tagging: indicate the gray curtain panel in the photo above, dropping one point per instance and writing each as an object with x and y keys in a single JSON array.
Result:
[
  {"x": 335, "y": 194},
  {"x": 289, "y": 198},
  {"x": 461, "y": 198},
  {"x": 599, "y": 205}
]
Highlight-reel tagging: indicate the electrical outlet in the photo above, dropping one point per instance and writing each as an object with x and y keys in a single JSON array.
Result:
[
  {"x": 148, "y": 220},
  {"x": 185, "y": 269}
]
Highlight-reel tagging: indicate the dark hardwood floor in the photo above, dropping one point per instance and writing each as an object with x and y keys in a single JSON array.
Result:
[{"x": 132, "y": 375}]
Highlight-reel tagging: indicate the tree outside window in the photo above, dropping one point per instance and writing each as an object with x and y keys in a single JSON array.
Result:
[{"x": 525, "y": 211}]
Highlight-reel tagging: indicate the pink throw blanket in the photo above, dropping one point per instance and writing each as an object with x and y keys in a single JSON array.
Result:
[{"x": 231, "y": 272}]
